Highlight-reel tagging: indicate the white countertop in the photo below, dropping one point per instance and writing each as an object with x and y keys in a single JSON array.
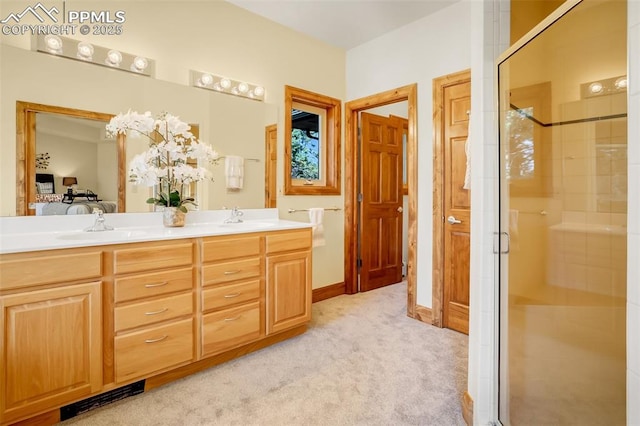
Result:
[{"x": 33, "y": 233}]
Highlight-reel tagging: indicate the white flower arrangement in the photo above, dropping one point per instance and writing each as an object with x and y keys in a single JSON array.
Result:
[{"x": 165, "y": 163}]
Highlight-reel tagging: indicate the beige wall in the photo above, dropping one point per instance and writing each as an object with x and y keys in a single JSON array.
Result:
[{"x": 208, "y": 36}]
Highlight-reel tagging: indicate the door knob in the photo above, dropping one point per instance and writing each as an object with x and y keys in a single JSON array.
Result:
[
  {"x": 400, "y": 209},
  {"x": 452, "y": 220}
]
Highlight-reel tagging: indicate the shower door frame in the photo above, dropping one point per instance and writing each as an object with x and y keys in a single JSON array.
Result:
[{"x": 502, "y": 236}]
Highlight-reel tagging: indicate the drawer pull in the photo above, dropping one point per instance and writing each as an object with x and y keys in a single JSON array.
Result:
[
  {"x": 159, "y": 339},
  {"x": 157, "y": 312},
  {"x": 156, "y": 284},
  {"x": 232, "y": 319},
  {"x": 230, "y": 296},
  {"x": 231, "y": 272}
]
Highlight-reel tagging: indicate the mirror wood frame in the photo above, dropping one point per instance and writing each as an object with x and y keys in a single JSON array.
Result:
[{"x": 26, "y": 147}]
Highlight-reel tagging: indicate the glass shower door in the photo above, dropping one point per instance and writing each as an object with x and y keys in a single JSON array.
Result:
[{"x": 563, "y": 148}]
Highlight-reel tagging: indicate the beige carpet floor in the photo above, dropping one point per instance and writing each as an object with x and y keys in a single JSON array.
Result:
[{"x": 362, "y": 362}]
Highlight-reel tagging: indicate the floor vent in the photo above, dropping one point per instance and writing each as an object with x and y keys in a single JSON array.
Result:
[{"x": 72, "y": 410}]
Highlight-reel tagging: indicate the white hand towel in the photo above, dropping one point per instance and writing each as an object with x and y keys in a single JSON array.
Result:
[
  {"x": 315, "y": 218},
  {"x": 234, "y": 171},
  {"x": 467, "y": 173}
]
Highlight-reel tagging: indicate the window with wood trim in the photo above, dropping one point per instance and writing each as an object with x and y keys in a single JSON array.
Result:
[{"x": 312, "y": 143}]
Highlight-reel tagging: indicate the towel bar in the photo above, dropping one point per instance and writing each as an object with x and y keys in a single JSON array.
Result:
[{"x": 306, "y": 210}]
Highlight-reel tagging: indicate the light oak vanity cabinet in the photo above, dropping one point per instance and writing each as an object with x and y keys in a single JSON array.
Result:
[
  {"x": 51, "y": 330},
  {"x": 232, "y": 292},
  {"x": 83, "y": 322},
  {"x": 154, "y": 308},
  {"x": 288, "y": 279}
]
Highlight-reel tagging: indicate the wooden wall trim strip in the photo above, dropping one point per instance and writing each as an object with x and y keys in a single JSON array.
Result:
[
  {"x": 424, "y": 314},
  {"x": 327, "y": 292},
  {"x": 467, "y": 408},
  {"x": 437, "y": 278},
  {"x": 407, "y": 93}
]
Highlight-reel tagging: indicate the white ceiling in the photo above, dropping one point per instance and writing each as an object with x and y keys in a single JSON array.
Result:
[{"x": 343, "y": 23}]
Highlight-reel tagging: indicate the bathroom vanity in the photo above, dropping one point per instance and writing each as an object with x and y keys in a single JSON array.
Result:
[{"x": 118, "y": 312}]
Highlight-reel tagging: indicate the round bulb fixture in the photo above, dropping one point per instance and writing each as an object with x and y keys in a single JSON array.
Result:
[
  {"x": 53, "y": 43},
  {"x": 621, "y": 83},
  {"x": 596, "y": 87},
  {"x": 206, "y": 79},
  {"x": 113, "y": 58},
  {"x": 258, "y": 91},
  {"x": 243, "y": 87},
  {"x": 225, "y": 83},
  {"x": 85, "y": 51},
  {"x": 139, "y": 64}
]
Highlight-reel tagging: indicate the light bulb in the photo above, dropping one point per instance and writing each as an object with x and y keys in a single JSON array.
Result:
[
  {"x": 206, "y": 79},
  {"x": 225, "y": 83},
  {"x": 53, "y": 43},
  {"x": 258, "y": 91},
  {"x": 621, "y": 83},
  {"x": 243, "y": 87},
  {"x": 113, "y": 58},
  {"x": 596, "y": 87},
  {"x": 85, "y": 51},
  {"x": 139, "y": 64}
]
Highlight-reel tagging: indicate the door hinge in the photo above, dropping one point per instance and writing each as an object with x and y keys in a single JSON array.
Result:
[{"x": 360, "y": 197}]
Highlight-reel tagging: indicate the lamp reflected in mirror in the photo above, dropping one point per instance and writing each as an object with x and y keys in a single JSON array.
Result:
[{"x": 69, "y": 181}]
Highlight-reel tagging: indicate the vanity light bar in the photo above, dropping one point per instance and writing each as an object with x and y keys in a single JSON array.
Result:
[
  {"x": 606, "y": 86},
  {"x": 98, "y": 55},
  {"x": 206, "y": 80}
]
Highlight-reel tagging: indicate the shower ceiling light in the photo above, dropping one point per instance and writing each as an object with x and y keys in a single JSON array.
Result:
[
  {"x": 97, "y": 55},
  {"x": 206, "y": 80}
]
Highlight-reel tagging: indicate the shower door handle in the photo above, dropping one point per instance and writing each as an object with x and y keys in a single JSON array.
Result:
[{"x": 453, "y": 221}]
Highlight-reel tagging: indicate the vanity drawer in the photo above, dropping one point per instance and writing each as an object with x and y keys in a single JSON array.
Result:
[
  {"x": 153, "y": 311},
  {"x": 287, "y": 241},
  {"x": 231, "y": 271},
  {"x": 221, "y": 248},
  {"x": 153, "y": 349},
  {"x": 23, "y": 270},
  {"x": 153, "y": 257},
  {"x": 226, "y": 295},
  {"x": 153, "y": 284},
  {"x": 230, "y": 328}
]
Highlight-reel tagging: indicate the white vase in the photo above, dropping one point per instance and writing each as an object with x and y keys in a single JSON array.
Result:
[{"x": 173, "y": 217}]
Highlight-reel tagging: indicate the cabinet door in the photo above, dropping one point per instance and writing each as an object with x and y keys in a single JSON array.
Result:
[
  {"x": 52, "y": 350},
  {"x": 288, "y": 290}
]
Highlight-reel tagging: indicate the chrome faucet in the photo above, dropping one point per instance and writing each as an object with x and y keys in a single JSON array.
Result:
[
  {"x": 99, "y": 225},
  {"x": 235, "y": 217}
]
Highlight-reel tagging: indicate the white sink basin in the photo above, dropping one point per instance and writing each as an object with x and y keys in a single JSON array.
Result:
[
  {"x": 99, "y": 236},
  {"x": 247, "y": 225}
]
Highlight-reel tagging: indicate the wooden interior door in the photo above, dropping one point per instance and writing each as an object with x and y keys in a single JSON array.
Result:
[
  {"x": 270, "y": 171},
  {"x": 457, "y": 208},
  {"x": 381, "y": 206}
]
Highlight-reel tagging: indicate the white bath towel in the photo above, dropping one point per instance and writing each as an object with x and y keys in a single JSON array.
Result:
[
  {"x": 234, "y": 171},
  {"x": 467, "y": 151},
  {"x": 316, "y": 215}
]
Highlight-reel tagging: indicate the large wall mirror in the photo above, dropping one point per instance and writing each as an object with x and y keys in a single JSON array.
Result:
[
  {"x": 58, "y": 145},
  {"x": 65, "y": 100}
]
